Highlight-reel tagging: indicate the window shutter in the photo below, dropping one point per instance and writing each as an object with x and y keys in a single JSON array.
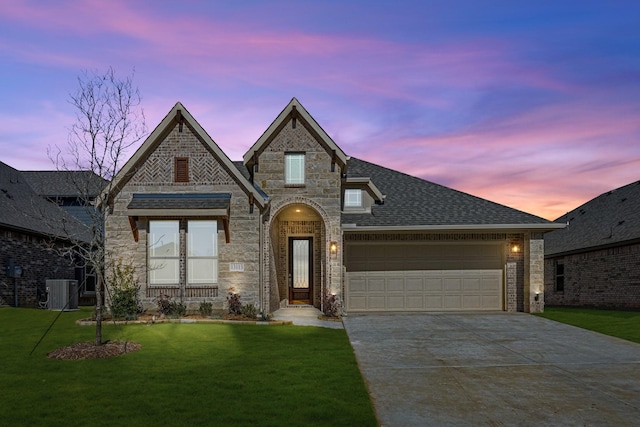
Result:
[{"x": 181, "y": 169}]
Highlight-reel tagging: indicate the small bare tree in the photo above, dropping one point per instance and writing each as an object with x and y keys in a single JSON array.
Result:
[{"x": 109, "y": 120}]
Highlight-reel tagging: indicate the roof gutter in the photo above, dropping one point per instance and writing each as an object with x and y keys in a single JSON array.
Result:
[{"x": 462, "y": 227}]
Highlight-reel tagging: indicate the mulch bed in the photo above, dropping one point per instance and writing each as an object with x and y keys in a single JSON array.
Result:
[{"x": 89, "y": 350}]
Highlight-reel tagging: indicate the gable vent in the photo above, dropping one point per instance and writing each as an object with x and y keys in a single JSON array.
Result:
[{"x": 181, "y": 169}]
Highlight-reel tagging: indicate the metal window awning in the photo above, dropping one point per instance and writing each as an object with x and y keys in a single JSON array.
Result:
[{"x": 188, "y": 205}]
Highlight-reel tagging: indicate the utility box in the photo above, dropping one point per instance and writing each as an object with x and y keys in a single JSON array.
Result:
[{"x": 63, "y": 294}]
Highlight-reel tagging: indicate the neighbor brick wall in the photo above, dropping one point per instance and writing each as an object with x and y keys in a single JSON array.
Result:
[
  {"x": 39, "y": 261},
  {"x": 606, "y": 278}
]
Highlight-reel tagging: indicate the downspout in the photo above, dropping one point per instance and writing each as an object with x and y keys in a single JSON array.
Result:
[{"x": 261, "y": 293}]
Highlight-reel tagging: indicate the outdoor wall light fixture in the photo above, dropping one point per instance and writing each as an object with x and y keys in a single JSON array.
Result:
[
  {"x": 333, "y": 249},
  {"x": 515, "y": 248},
  {"x": 537, "y": 297}
]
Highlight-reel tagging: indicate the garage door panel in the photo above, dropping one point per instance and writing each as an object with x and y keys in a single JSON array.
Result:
[
  {"x": 395, "y": 284},
  {"x": 428, "y": 290},
  {"x": 375, "y": 284},
  {"x": 471, "y": 284},
  {"x": 415, "y": 302},
  {"x": 414, "y": 284},
  {"x": 452, "y": 284}
]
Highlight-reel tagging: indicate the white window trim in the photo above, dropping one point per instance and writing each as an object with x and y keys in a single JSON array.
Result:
[
  {"x": 352, "y": 198},
  {"x": 153, "y": 260},
  {"x": 289, "y": 164},
  {"x": 213, "y": 257}
]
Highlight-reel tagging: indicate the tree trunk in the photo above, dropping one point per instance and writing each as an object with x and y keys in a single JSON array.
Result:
[{"x": 99, "y": 311}]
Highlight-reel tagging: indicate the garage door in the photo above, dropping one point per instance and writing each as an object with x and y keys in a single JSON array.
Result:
[
  {"x": 427, "y": 290},
  {"x": 423, "y": 276}
]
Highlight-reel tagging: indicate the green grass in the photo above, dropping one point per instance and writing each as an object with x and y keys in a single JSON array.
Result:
[
  {"x": 185, "y": 374},
  {"x": 621, "y": 324}
]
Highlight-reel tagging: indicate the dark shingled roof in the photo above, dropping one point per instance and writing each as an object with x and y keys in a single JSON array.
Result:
[
  {"x": 54, "y": 184},
  {"x": 23, "y": 210},
  {"x": 611, "y": 219},
  {"x": 180, "y": 201},
  {"x": 412, "y": 201},
  {"x": 245, "y": 172}
]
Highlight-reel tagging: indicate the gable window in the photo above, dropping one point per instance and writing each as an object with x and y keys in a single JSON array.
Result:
[
  {"x": 559, "y": 275},
  {"x": 294, "y": 168},
  {"x": 352, "y": 198},
  {"x": 164, "y": 252},
  {"x": 181, "y": 169},
  {"x": 202, "y": 252}
]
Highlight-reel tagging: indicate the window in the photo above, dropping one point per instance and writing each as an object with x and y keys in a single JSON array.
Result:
[
  {"x": 181, "y": 169},
  {"x": 352, "y": 198},
  {"x": 199, "y": 252},
  {"x": 559, "y": 276},
  {"x": 202, "y": 252},
  {"x": 164, "y": 253},
  {"x": 294, "y": 169}
]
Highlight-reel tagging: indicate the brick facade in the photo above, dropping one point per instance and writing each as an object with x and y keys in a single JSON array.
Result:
[
  {"x": 605, "y": 278},
  {"x": 321, "y": 193},
  {"x": 39, "y": 260},
  {"x": 207, "y": 174}
]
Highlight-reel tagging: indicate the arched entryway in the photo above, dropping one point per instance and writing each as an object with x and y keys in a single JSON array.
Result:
[{"x": 297, "y": 249}]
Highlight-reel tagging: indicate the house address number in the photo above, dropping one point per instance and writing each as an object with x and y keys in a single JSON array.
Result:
[{"x": 236, "y": 266}]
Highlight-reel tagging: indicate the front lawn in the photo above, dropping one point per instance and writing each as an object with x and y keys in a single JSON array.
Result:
[
  {"x": 185, "y": 374},
  {"x": 621, "y": 324}
]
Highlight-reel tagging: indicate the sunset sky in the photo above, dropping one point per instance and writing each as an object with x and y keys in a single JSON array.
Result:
[{"x": 532, "y": 104}]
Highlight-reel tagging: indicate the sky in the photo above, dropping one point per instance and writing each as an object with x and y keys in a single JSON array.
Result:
[{"x": 533, "y": 104}]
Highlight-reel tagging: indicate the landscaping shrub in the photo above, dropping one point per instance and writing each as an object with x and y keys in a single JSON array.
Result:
[
  {"x": 249, "y": 311},
  {"x": 233, "y": 302},
  {"x": 163, "y": 302},
  {"x": 331, "y": 304},
  {"x": 206, "y": 309},
  {"x": 123, "y": 288},
  {"x": 177, "y": 309}
]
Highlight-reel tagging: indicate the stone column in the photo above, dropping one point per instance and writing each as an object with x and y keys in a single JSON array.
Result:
[{"x": 534, "y": 273}]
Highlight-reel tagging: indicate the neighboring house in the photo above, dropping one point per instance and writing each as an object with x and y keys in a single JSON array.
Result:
[
  {"x": 595, "y": 260},
  {"x": 73, "y": 191},
  {"x": 33, "y": 235},
  {"x": 298, "y": 220}
]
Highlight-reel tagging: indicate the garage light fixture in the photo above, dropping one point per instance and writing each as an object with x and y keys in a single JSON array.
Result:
[{"x": 515, "y": 248}]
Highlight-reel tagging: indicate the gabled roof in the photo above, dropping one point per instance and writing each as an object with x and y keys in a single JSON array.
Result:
[
  {"x": 54, "y": 184},
  {"x": 179, "y": 114},
  {"x": 295, "y": 110},
  {"x": 21, "y": 209},
  {"x": 611, "y": 219},
  {"x": 415, "y": 204}
]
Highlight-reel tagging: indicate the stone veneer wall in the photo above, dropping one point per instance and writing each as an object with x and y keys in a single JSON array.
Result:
[
  {"x": 39, "y": 261},
  {"x": 321, "y": 191},
  {"x": 206, "y": 175},
  {"x": 605, "y": 278}
]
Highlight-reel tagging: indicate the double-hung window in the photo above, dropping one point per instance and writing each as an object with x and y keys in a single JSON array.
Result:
[
  {"x": 202, "y": 252},
  {"x": 164, "y": 253},
  {"x": 559, "y": 276},
  {"x": 294, "y": 168}
]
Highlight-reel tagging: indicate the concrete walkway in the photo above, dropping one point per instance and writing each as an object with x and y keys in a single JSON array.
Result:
[
  {"x": 305, "y": 316},
  {"x": 496, "y": 369}
]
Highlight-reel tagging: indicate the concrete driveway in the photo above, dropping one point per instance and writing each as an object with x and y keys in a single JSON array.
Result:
[{"x": 496, "y": 369}]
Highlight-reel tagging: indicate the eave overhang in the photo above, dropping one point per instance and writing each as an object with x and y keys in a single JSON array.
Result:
[{"x": 453, "y": 227}]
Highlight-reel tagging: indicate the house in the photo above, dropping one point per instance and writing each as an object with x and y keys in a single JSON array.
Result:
[
  {"x": 298, "y": 220},
  {"x": 74, "y": 191},
  {"x": 595, "y": 260},
  {"x": 33, "y": 236}
]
